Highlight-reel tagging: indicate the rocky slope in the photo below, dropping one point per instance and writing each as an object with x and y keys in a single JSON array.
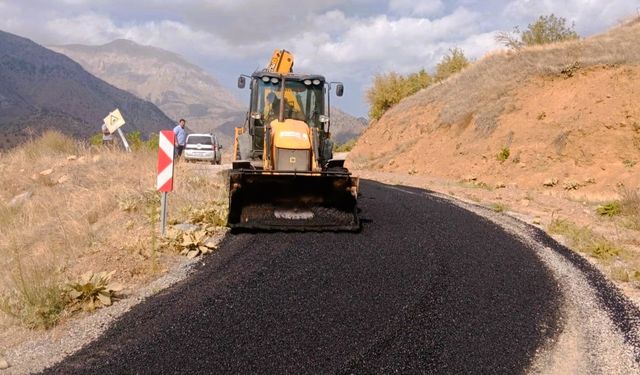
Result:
[
  {"x": 41, "y": 89},
  {"x": 345, "y": 127},
  {"x": 179, "y": 88},
  {"x": 563, "y": 117}
]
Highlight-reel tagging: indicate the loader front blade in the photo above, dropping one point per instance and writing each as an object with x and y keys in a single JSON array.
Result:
[{"x": 293, "y": 201}]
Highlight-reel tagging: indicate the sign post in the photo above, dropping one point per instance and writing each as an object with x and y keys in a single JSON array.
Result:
[
  {"x": 164, "y": 182},
  {"x": 114, "y": 122}
]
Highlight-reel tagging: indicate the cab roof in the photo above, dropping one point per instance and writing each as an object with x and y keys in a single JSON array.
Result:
[{"x": 289, "y": 76}]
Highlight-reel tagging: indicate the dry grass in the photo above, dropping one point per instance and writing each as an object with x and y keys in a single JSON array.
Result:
[
  {"x": 586, "y": 241},
  {"x": 482, "y": 90},
  {"x": 96, "y": 210},
  {"x": 630, "y": 208}
]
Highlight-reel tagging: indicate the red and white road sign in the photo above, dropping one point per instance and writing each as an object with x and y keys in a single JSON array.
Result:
[{"x": 164, "y": 182}]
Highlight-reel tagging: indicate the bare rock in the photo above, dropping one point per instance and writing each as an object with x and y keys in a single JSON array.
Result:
[
  {"x": 46, "y": 172},
  {"x": 186, "y": 227},
  {"x": 536, "y": 221},
  {"x": 72, "y": 158},
  {"x": 63, "y": 179},
  {"x": 20, "y": 199},
  {"x": 551, "y": 182},
  {"x": 3, "y": 363},
  {"x": 211, "y": 243},
  {"x": 571, "y": 185}
]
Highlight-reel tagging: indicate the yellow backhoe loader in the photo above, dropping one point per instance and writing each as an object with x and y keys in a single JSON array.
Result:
[{"x": 284, "y": 176}]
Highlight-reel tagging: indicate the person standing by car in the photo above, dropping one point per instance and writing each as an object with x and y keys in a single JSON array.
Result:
[{"x": 181, "y": 137}]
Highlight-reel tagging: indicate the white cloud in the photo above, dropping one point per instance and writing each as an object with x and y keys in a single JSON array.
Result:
[
  {"x": 589, "y": 16},
  {"x": 419, "y": 8},
  {"x": 345, "y": 39}
]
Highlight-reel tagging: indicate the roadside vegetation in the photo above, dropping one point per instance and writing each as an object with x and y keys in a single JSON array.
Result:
[
  {"x": 71, "y": 213},
  {"x": 389, "y": 89},
  {"x": 623, "y": 263},
  {"x": 548, "y": 47},
  {"x": 345, "y": 147}
]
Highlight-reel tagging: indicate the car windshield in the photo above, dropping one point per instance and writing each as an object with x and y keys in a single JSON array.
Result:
[
  {"x": 303, "y": 102},
  {"x": 194, "y": 140}
]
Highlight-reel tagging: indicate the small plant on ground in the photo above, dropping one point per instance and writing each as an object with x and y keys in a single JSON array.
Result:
[
  {"x": 92, "y": 291},
  {"x": 499, "y": 207},
  {"x": 212, "y": 214},
  {"x": 503, "y": 155},
  {"x": 609, "y": 209},
  {"x": 629, "y": 163},
  {"x": 190, "y": 243}
]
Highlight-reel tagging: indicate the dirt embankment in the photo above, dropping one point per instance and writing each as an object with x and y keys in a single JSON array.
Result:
[
  {"x": 579, "y": 133},
  {"x": 567, "y": 114}
]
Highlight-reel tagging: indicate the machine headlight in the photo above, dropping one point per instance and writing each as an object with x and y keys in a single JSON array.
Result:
[
  {"x": 274, "y": 80},
  {"x": 265, "y": 79},
  {"x": 316, "y": 82},
  {"x": 307, "y": 82}
]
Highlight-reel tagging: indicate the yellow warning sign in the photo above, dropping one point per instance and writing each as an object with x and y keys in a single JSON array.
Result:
[{"x": 114, "y": 120}]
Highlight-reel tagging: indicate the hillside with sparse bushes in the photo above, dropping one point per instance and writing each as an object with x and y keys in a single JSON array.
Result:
[
  {"x": 566, "y": 113},
  {"x": 80, "y": 228}
]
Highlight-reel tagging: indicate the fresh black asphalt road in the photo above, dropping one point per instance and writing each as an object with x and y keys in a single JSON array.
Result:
[{"x": 425, "y": 287}]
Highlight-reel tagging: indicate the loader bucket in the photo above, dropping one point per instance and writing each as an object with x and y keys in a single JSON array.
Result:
[{"x": 267, "y": 200}]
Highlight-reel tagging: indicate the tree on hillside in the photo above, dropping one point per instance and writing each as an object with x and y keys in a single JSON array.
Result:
[
  {"x": 388, "y": 89},
  {"x": 546, "y": 29},
  {"x": 450, "y": 64}
]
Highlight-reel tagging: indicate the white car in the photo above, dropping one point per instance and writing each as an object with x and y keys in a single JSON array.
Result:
[{"x": 202, "y": 147}]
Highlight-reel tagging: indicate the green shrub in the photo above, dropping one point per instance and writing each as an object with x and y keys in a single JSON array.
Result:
[
  {"x": 345, "y": 147},
  {"x": 499, "y": 207},
  {"x": 503, "y": 155},
  {"x": 546, "y": 29},
  {"x": 135, "y": 140},
  {"x": 388, "y": 89},
  {"x": 609, "y": 209},
  {"x": 451, "y": 64},
  {"x": 96, "y": 139}
]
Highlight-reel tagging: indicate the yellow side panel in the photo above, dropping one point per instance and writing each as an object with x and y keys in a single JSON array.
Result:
[{"x": 291, "y": 134}]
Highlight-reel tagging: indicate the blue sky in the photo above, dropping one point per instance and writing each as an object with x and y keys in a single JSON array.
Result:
[{"x": 346, "y": 40}]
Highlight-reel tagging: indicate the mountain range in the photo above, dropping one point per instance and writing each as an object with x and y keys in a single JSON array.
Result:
[
  {"x": 180, "y": 88},
  {"x": 41, "y": 89}
]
